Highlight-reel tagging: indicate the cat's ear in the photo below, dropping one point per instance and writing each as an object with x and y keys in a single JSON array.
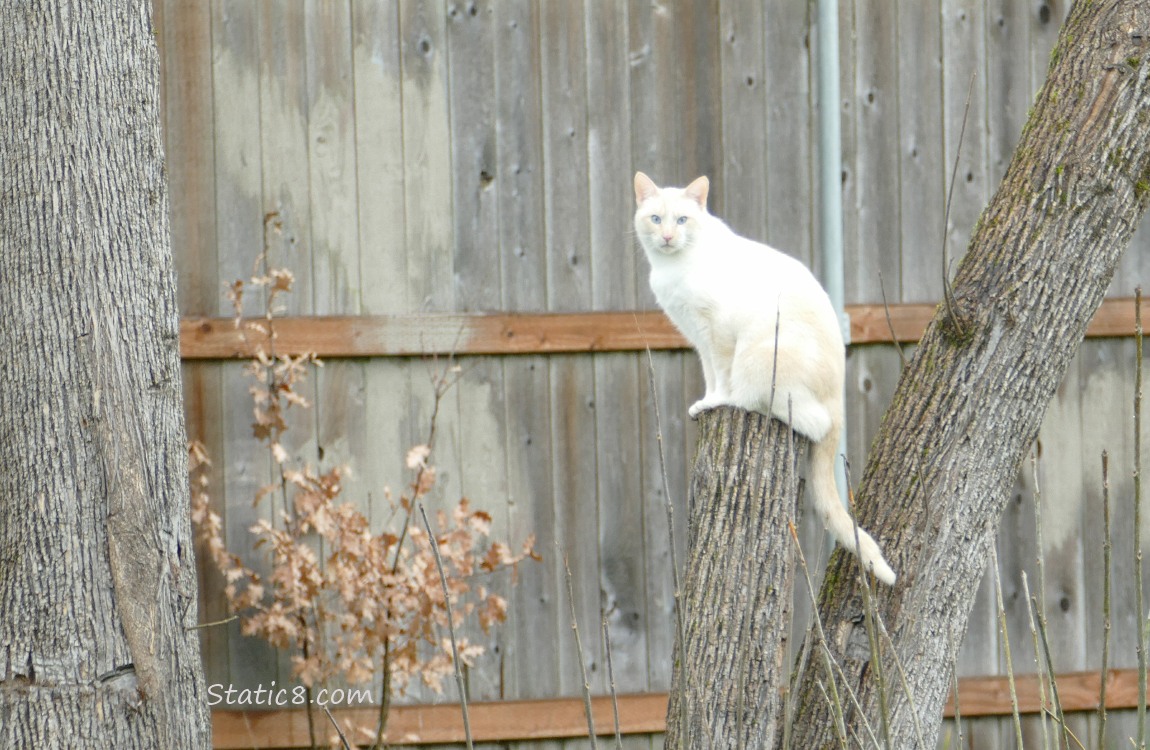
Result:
[
  {"x": 644, "y": 188},
  {"x": 697, "y": 191}
]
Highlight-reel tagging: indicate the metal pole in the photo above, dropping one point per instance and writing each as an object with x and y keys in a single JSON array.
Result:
[{"x": 830, "y": 179}]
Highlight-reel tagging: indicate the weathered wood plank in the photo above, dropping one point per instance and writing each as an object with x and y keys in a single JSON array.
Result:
[
  {"x": 429, "y": 210},
  {"x": 239, "y": 224},
  {"x": 476, "y": 167},
  {"x": 542, "y": 333},
  {"x": 642, "y": 713},
  {"x": 871, "y": 201},
  {"x": 426, "y": 157},
  {"x": 1060, "y": 482},
  {"x": 790, "y": 131},
  {"x": 527, "y": 640},
  {"x": 442, "y": 723},
  {"x": 923, "y": 169},
  {"x": 658, "y": 147},
  {"x": 184, "y": 34},
  {"x": 622, "y": 576},
  {"x": 569, "y": 285},
  {"x": 283, "y": 128},
  {"x": 378, "y": 107},
  {"x": 744, "y": 95},
  {"x": 963, "y": 93},
  {"x": 1106, "y": 384}
]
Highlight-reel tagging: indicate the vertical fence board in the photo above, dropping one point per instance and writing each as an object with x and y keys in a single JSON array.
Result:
[
  {"x": 874, "y": 169},
  {"x": 530, "y": 656},
  {"x": 1061, "y": 482},
  {"x": 1107, "y": 384},
  {"x": 184, "y": 34},
  {"x": 791, "y": 132},
  {"x": 239, "y": 227},
  {"x": 964, "y": 55},
  {"x": 622, "y": 574},
  {"x": 283, "y": 123},
  {"x": 476, "y": 169},
  {"x": 743, "y": 174},
  {"x": 922, "y": 167},
  {"x": 430, "y": 229},
  {"x": 573, "y": 435}
]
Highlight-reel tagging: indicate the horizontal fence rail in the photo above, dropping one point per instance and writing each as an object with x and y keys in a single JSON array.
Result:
[
  {"x": 535, "y": 333},
  {"x": 563, "y": 718}
]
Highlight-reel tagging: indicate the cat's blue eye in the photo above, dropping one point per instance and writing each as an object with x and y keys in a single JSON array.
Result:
[
  {"x": 656, "y": 219},
  {"x": 682, "y": 220}
]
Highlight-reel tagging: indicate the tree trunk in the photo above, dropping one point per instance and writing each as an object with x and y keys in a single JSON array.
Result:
[
  {"x": 969, "y": 404},
  {"x": 736, "y": 596},
  {"x": 97, "y": 582}
]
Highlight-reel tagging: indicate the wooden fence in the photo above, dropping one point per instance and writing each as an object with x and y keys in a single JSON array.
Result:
[{"x": 436, "y": 169}]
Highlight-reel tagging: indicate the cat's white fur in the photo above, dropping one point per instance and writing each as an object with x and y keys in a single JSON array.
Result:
[{"x": 725, "y": 293}]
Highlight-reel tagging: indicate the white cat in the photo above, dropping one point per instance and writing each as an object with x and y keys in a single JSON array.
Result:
[{"x": 725, "y": 294}]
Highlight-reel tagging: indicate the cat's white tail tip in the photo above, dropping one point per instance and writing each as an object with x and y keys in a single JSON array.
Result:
[{"x": 883, "y": 572}]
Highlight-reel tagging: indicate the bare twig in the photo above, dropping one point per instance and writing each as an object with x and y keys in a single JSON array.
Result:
[
  {"x": 669, "y": 507},
  {"x": 889, "y": 323},
  {"x": 871, "y": 616},
  {"x": 1141, "y": 742},
  {"x": 440, "y": 385},
  {"x": 213, "y": 624},
  {"x": 611, "y": 678},
  {"x": 1106, "y": 549},
  {"x": 830, "y": 690},
  {"x": 339, "y": 731},
  {"x": 1058, "y": 715},
  {"x": 957, "y": 705},
  {"x": 1067, "y": 732},
  {"x": 1040, "y": 554},
  {"x": 947, "y": 292},
  {"x": 450, "y": 624},
  {"x": 1038, "y": 662},
  {"x": 1006, "y": 646},
  {"x": 905, "y": 683},
  {"x": 579, "y": 652}
]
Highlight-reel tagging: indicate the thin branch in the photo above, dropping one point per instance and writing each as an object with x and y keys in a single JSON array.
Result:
[
  {"x": 579, "y": 652},
  {"x": 450, "y": 625},
  {"x": 212, "y": 624},
  {"x": 1006, "y": 646},
  {"x": 905, "y": 682},
  {"x": 339, "y": 731},
  {"x": 889, "y": 323},
  {"x": 1058, "y": 714},
  {"x": 1106, "y": 549},
  {"x": 871, "y": 617},
  {"x": 830, "y": 666},
  {"x": 1067, "y": 731},
  {"x": 669, "y": 507},
  {"x": 1142, "y": 644},
  {"x": 611, "y": 677},
  {"x": 957, "y": 706},
  {"x": 1043, "y": 675},
  {"x": 947, "y": 292}
]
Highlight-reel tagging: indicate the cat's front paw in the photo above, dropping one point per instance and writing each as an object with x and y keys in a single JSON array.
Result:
[{"x": 699, "y": 406}]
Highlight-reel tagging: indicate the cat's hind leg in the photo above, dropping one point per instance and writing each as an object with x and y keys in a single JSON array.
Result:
[
  {"x": 791, "y": 402},
  {"x": 803, "y": 411}
]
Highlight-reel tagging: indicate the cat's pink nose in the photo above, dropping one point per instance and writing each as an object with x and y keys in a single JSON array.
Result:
[{"x": 667, "y": 239}]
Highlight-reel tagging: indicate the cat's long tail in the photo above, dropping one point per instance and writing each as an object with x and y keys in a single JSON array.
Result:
[{"x": 835, "y": 517}]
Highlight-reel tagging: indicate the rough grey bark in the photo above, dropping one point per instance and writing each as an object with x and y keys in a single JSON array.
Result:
[
  {"x": 97, "y": 582},
  {"x": 970, "y": 402},
  {"x": 737, "y": 588}
]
